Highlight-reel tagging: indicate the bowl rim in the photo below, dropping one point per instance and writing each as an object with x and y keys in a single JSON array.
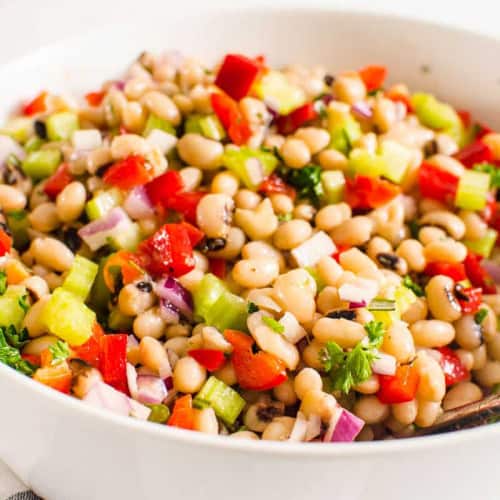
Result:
[{"x": 283, "y": 449}]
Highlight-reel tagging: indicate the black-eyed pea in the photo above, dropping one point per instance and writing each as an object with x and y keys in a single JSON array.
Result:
[
  {"x": 416, "y": 311},
  {"x": 366, "y": 434},
  {"x": 161, "y": 105},
  {"x": 441, "y": 299},
  {"x": 149, "y": 324},
  {"x": 447, "y": 163},
  {"x": 466, "y": 358},
  {"x": 349, "y": 88},
  {"x": 353, "y": 232},
  {"x": 359, "y": 263},
  {"x": 468, "y": 334},
  {"x": 475, "y": 226},
  {"x": 259, "y": 414},
  {"x": 200, "y": 97},
  {"x": 489, "y": 323},
  {"x": 282, "y": 203},
  {"x": 329, "y": 270},
  {"x": 427, "y": 234},
  {"x": 405, "y": 413},
  {"x": 331, "y": 159},
  {"x": 328, "y": 299},
  {"x": 191, "y": 280},
  {"x": 312, "y": 355},
  {"x": 262, "y": 249},
  {"x": 227, "y": 374},
  {"x": 432, "y": 385},
  {"x": 54, "y": 280},
  {"x": 489, "y": 374},
  {"x": 52, "y": 253},
  {"x": 315, "y": 138},
  {"x": 378, "y": 245},
  {"x": 304, "y": 211},
  {"x": 133, "y": 301},
  {"x": 134, "y": 117},
  {"x": 307, "y": 379},
  {"x": 11, "y": 199},
  {"x": 129, "y": 144},
  {"x": 274, "y": 141},
  {"x": 317, "y": 402},
  {"x": 84, "y": 381},
  {"x": 398, "y": 342},
  {"x": 384, "y": 113},
  {"x": 494, "y": 347},
  {"x": 447, "y": 250},
  {"x": 191, "y": 178},
  {"x": 295, "y": 153},
  {"x": 295, "y": 296},
  {"x": 480, "y": 355},
  {"x": 188, "y": 376},
  {"x": 258, "y": 224},
  {"x": 412, "y": 252},
  {"x": 285, "y": 393},
  {"x": 44, "y": 217},
  {"x": 291, "y": 234},
  {"x": 225, "y": 183},
  {"x": 249, "y": 435},
  {"x": 369, "y": 386},
  {"x": 206, "y": 421},
  {"x": 234, "y": 243},
  {"x": 36, "y": 286},
  {"x": 331, "y": 216},
  {"x": 199, "y": 151},
  {"x": 432, "y": 333},
  {"x": 70, "y": 202},
  {"x": 344, "y": 332},
  {"x": 32, "y": 321},
  {"x": 450, "y": 222},
  {"x": 178, "y": 345},
  {"x": 428, "y": 412},
  {"x": 183, "y": 103},
  {"x": 214, "y": 215},
  {"x": 461, "y": 394},
  {"x": 213, "y": 339},
  {"x": 277, "y": 345},
  {"x": 247, "y": 199},
  {"x": 279, "y": 429},
  {"x": 371, "y": 410},
  {"x": 153, "y": 355},
  {"x": 255, "y": 273}
]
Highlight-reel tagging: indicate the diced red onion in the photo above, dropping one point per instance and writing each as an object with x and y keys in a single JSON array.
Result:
[
  {"x": 97, "y": 233},
  {"x": 362, "y": 110},
  {"x": 9, "y": 146},
  {"x": 132, "y": 380},
  {"x": 327, "y": 438},
  {"x": 169, "y": 382},
  {"x": 132, "y": 341},
  {"x": 493, "y": 269},
  {"x": 137, "y": 204},
  {"x": 151, "y": 390},
  {"x": 299, "y": 429},
  {"x": 138, "y": 410},
  {"x": 347, "y": 428},
  {"x": 172, "y": 292},
  {"x": 144, "y": 370},
  {"x": 357, "y": 305},
  {"x": 383, "y": 364},
  {"x": 294, "y": 332},
  {"x": 310, "y": 252},
  {"x": 168, "y": 312},
  {"x": 313, "y": 427}
]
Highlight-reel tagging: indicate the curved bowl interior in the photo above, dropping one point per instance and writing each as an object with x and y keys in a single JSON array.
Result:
[{"x": 68, "y": 451}]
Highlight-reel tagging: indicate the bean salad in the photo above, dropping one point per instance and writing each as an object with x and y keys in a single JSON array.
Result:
[{"x": 280, "y": 254}]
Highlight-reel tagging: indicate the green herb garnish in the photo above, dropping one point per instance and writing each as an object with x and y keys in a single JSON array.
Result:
[
  {"x": 11, "y": 356},
  {"x": 274, "y": 325},
  {"x": 14, "y": 338},
  {"x": 60, "y": 351},
  {"x": 252, "y": 308},
  {"x": 285, "y": 217},
  {"x": 414, "y": 287},
  {"x": 23, "y": 302},
  {"x": 414, "y": 228},
  {"x": 493, "y": 170},
  {"x": 3, "y": 282},
  {"x": 480, "y": 316},
  {"x": 306, "y": 180}
]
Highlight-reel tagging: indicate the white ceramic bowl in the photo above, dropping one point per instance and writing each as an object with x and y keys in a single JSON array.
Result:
[{"x": 68, "y": 451}]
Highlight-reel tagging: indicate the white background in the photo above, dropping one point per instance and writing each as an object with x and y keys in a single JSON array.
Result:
[{"x": 27, "y": 23}]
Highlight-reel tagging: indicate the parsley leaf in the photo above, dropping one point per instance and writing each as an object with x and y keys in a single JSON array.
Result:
[
  {"x": 252, "y": 308},
  {"x": 60, "y": 351},
  {"x": 273, "y": 324},
  {"x": 493, "y": 170},
  {"x": 23, "y": 303},
  {"x": 307, "y": 181},
  {"x": 331, "y": 356},
  {"x": 14, "y": 338},
  {"x": 414, "y": 287},
  {"x": 414, "y": 228},
  {"x": 375, "y": 331},
  {"x": 3, "y": 282},
  {"x": 480, "y": 316},
  {"x": 11, "y": 356}
]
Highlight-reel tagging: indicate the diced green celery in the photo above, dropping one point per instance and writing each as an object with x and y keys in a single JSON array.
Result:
[
  {"x": 100, "y": 294},
  {"x": 250, "y": 165},
  {"x": 81, "y": 277},
  {"x": 386, "y": 317},
  {"x": 207, "y": 293},
  {"x": 11, "y": 310},
  {"x": 282, "y": 95},
  {"x": 66, "y": 316},
  {"x": 102, "y": 203},
  {"x": 33, "y": 144},
  {"x": 396, "y": 159},
  {"x": 192, "y": 124},
  {"x": 118, "y": 321},
  {"x": 363, "y": 162},
  {"x": 212, "y": 128},
  {"x": 225, "y": 401},
  {"x": 128, "y": 238},
  {"x": 155, "y": 122},
  {"x": 472, "y": 192},
  {"x": 229, "y": 311},
  {"x": 404, "y": 298},
  {"x": 483, "y": 246},
  {"x": 41, "y": 164},
  {"x": 18, "y": 224},
  {"x": 19, "y": 128},
  {"x": 333, "y": 182},
  {"x": 344, "y": 133},
  {"x": 60, "y": 126}
]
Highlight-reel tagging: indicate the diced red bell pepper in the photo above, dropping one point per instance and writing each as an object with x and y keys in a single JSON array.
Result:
[
  {"x": 163, "y": 187},
  {"x": 398, "y": 388},
  {"x": 257, "y": 372},
  {"x": 183, "y": 413},
  {"x": 95, "y": 98},
  {"x": 5, "y": 242},
  {"x": 465, "y": 116},
  {"x": 186, "y": 203},
  {"x": 195, "y": 235},
  {"x": 470, "y": 299},
  {"x": 128, "y": 173},
  {"x": 168, "y": 251},
  {"x": 400, "y": 97},
  {"x": 365, "y": 192},
  {"x": 340, "y": 249},
  {"x": 477, "y": 275},
  {"x": 373, "y": 76},
  {"x": 58, "y": 377},
  {"x": 274, "y": 184},
  {"x": 288, "y": 124},
  {"x": 437, "y": 184},
  {"x": 34, "y": 359},
  {"x": 57, "y": 181},
  {"x": 237, "y": 75},
  {"x": 218, "y": 267},
  {"x": 90, "y": 351},
  {"x": 129, "y": 265},
  {"x": 231, "y": 117},
  {"x": 476, "y": 152},
  {"x": 211, "y": 359},
  {"x": 482, "y": 130},
  {"x": 37, "y": 105},
  {"x": 454, "y": 370},
  {"x": 455, "y": 270},
  {"x": 490, "y": 211},
  {"x": 113, "y": 360}
]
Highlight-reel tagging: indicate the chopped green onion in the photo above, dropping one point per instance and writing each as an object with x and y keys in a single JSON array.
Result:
[
  {"x": 159, "y": 413},
  {"x": 252, "y": 308},
  {"x": 60, "y": 351},
  {"x": 81, "y": 277},
  {"x": 484, "y": 245},
  {"x": 3, "y": 282},
  {"x": 224, "y": 400},
  {"x": 43, "y": 163},
  {"x": 344, "y": 134},
  {"x": 472, "y": 192},
  {"x": 274, "y": 325},
  {"x": 285, "y": 217},
  {"x": 60, "y": 126},
  {"x": 414, "y": 287},
  {"x": 480, "y": 316},
  {"x": 382, "y": 305}
]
